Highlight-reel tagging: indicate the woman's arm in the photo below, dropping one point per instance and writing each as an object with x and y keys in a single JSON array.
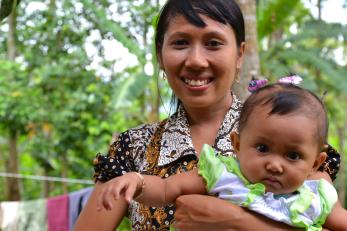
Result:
[
  {"x": 204, "y": 213},
  {"x": 91, "y": 219}
]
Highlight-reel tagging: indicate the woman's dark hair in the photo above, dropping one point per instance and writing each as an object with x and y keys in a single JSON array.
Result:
[
  {"x": 223, "y": 11},
  {"x": 285, "y": 99}
]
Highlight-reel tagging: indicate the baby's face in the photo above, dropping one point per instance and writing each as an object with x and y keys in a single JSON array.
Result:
[{"x": 278, "y": 151}]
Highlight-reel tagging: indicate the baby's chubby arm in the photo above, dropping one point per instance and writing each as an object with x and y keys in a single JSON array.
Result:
[
  {"x": 151, "y": 190},
  {"x": 337, "y": 219}
]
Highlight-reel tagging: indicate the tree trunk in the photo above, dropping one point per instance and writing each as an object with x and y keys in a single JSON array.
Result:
[
  {"x": 155, "y": 85},
  {"x": 319, "y": 6},
  {"x": 46, "y": 183},
  {"x": 13, "y": 184},
  {"x": 342, "y": 175},
  {"x": 251, "y": 64},
  {"x": 64, "y": 173},
  {"x": 11, "y": 39}
]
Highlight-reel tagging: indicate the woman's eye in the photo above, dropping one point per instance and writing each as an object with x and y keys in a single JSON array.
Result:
[
  {"x": 293, "y": 156},
  {"x": 262, "y": 148},
  {"x": 180, "y": 42},
  {"x": 213, "y": 44}
]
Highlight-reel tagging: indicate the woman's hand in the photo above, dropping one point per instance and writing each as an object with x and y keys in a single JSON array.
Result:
[
  {"x": 205, "y": 213},
  {"x": 198, "y": 212},
  {"x": 128, "y": 185}
]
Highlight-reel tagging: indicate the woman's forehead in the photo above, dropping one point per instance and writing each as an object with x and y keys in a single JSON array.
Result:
[{"x": 179, "y": 24}]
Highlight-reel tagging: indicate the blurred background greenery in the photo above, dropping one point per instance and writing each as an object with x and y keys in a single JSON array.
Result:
[{"x": 73, "y": 74}]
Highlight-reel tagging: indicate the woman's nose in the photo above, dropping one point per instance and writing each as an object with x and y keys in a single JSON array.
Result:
[
  {"x": 196, "y": 58},
  {"x": 274, "y": 166}
]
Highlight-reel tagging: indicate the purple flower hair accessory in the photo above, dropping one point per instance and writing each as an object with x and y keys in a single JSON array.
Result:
[
  {"x": 292, "y": 79},
  {"x": 255, "y": 84}
]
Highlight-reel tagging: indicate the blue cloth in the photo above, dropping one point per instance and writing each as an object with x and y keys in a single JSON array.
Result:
[{"x": 77, "y": 200}]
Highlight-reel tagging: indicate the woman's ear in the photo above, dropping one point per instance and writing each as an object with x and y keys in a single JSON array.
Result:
[
  {"x": 319, "y": 160},
  {"x": 235, "y": 140},
  {"x": 159, "y": 57},
  {"x": 240, "y": 55}
]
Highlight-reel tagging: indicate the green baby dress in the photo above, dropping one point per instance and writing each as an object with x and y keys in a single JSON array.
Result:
[{"x": 307, "y": 208}]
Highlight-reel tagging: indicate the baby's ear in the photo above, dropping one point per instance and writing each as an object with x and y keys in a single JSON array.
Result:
[
  {"x": 235, "y": 140},
  {"x": 319, "y": 160}
]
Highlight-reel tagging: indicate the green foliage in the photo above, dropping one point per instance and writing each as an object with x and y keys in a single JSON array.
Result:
[
  {"x": 273, "y": 15},
  {"x": 96, "y": 14},
  {"x": 125, "y": 225},
  {"x": 18, "y": 100},
  {"x": 301, "y": 51},
  {"x": 130, "y": 90},
  {"x": 6, "y": 7},
  {"x": 60, "y": 106}
]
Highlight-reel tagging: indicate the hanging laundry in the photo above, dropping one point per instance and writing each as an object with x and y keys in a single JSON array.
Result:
[
  {"x": 57, "y": 213},
  {"x": 77, "y": 200},
  {"x": 32, "y": 215},
  {"x": 9, "y": 218}
]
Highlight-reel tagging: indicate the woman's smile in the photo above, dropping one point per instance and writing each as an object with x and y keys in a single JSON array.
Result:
[{"x": 197, "y": 82}]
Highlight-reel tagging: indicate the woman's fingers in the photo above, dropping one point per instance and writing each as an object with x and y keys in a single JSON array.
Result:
[{"x": 130, "y": 191}]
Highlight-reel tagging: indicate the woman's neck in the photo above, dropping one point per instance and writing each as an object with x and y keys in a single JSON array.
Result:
[
  {"x": 208, "y": 115},
  {"x": 204, "y": 123}
]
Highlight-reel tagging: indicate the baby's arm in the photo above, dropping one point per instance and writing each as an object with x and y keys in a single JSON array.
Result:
[
  {"x": 151, "y": 190},
  {"x": 337, "y": 219},
  {"x": 338, "y": 216}
]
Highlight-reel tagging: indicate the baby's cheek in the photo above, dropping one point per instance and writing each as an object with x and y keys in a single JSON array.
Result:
[{"x": 252, "y": 173}]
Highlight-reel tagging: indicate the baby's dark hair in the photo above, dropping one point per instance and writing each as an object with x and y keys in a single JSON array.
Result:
[{"x": 285, "y": 99}]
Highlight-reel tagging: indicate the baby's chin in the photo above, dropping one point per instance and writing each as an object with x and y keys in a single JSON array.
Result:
[{"x": 280, "y": 192}]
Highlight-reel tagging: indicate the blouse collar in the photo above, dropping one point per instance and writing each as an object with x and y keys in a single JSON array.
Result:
[{"x": 176, "y": 140}]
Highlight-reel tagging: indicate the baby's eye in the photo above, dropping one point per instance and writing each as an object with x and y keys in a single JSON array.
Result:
[
  {"x": 213, "y": 44},
  {"x": 293, "y": 156},
  {"x": 262, "y": 148}
]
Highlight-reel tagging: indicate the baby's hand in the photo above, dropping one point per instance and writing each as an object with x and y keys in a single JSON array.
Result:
[{"x": 127, "y": 185}]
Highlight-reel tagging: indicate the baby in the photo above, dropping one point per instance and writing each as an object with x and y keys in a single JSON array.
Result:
[{"x": 280, "y": 142}]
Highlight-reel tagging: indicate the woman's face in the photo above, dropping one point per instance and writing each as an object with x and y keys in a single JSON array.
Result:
[{"x": 200, "y": 63}]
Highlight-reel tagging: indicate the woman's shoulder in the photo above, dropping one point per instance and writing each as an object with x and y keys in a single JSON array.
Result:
[
  {"x": 142, "y": 133},
  {"x": 134, "y": 140}
]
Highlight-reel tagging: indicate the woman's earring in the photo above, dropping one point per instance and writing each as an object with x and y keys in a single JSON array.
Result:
[
  {"x": 237, "y": 76},
  {"x": 163, "y": 75}
]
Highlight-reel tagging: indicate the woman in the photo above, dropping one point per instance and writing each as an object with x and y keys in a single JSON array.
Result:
[{"x": 200, "y": 47}]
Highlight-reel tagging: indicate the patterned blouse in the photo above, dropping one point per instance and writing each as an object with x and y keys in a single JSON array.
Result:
[{"x": 163, "y": 149}]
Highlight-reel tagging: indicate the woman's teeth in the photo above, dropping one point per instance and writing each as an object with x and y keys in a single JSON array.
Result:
[{"x": 196, "y": 83}]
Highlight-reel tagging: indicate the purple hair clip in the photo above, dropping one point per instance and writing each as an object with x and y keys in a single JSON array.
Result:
[
  {"x": 255, "y": 84},
  {"x": 292, "y": 79}
]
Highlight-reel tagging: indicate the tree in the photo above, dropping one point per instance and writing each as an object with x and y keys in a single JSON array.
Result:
[
  {"x": 251, "y": 65},
  {"x": 7, "y": 7},
  {"x": 12, "y": 125}
]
